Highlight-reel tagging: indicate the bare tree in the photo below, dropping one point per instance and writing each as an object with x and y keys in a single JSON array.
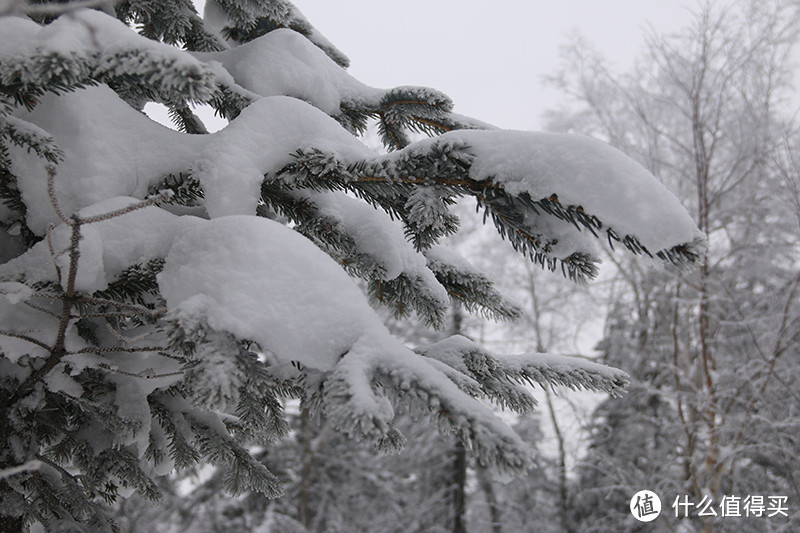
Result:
[{"x": 714, "y": 352}]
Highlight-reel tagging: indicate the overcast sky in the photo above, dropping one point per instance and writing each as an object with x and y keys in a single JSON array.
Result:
[{"x": 489, "y": 57}]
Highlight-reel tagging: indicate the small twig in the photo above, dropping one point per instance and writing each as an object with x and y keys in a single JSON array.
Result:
[
  {"x": 58, "y": 350},
  {"x": 160, "y": 197},
  {"x": 148, "y": 373},
  {"x": 42, "y": 309},
  {"x": 53, "y": 250},
  {"x": 125, "y": 314},
  {"x": 55, "y": 465},
  {"x": 51, "y": 192},
  {"x": 126, "y": 340},
  {"x": 116, "y": 349},
  {"x": 26, "y": 339},
  {"x": 50, "y": 297},
  {"x": 173, "y": 357}
]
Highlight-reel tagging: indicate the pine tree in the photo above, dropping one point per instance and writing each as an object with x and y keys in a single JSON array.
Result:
[{"x": 163, "y": 292}]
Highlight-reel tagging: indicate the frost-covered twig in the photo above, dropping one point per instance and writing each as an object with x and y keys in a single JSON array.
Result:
[
  {"x": 51, "y": 192},
  {"x": 162, "y": 196},
  {"x": 41, "y": 309},
  {"x": 25, "y": 338},
  {"x": 126, "y": 340}
]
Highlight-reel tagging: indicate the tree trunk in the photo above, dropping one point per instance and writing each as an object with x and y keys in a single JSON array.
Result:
[
  {"x": 458, "y": 484},
  {"x": 491, "y": 500},
  {"x": 303, "y": 507},
  {"x": 458, "y": 487}
]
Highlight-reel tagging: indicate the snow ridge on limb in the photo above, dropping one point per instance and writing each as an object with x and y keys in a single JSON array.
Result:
[
  {"x": 84, "y": 47},
  {"x": 369, "y": 244},
  {"x": 242, "y": 22},
  {"x": 284, "y": 62},
  {"x": 547, "y": 203}
]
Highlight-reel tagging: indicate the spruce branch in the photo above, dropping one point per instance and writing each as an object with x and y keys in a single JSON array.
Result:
[
  {"x": 57, "y": 351},
  {"x": 447, "y": 165},
  {"x": 41, "y": 309},
  {"x": 136, "y": 309},
  {"x": 51, "y": 247},
  {"x": 69, "y": 297}
]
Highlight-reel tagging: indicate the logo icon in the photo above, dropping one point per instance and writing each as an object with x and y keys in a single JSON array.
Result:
[{"x": 645, "y": 506}]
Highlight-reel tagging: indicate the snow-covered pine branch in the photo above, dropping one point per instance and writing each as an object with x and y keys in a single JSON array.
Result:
[{"x": 145, "y": 331}]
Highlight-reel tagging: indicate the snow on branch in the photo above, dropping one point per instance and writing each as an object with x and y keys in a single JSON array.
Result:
[
  {"x": 284, "y": 62},
  {"x": 242, "y": 22},
  {"x": 83, "y": 47},
  {"x": 549, "y": 194},
  {"x": 30, "y": 137},
  {"x": 354, "y": 403},
  {"x": 536, "y": 368},
  {"x": 367, "y": 242},
  {"x": 551, "y": 203}
]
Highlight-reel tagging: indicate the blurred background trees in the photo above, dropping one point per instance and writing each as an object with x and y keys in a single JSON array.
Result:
[{"x": 713, "y": 407}]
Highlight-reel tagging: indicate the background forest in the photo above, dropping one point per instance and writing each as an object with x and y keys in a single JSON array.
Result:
[
  {"x": 713, "y": 410},
  {"x": 711, "y": 417}
]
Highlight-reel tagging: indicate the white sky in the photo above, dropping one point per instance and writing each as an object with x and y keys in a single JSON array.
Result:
[{"x": 488, "y": 57}]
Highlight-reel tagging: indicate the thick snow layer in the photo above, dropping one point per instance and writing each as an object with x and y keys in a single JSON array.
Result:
[
  {"x": 261, "y": 281},
  {"x": 85, "y": 40},
  {"x": 381, "y": 238},
  {"x": 15, "y": 292},
  {"x": 581, "y": 171},
  {"x": 283, "y": 62},
  {"x": 113, "y": 150},
  {"x": 259, "y": 141},
  {"x": 106, "y": 247},
  {"x": 109, "y": 149}
]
